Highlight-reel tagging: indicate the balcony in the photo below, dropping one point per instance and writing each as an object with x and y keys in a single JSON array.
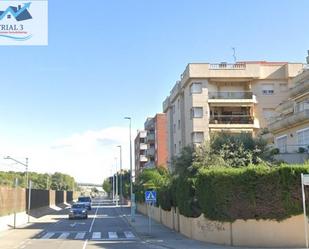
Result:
[
  {"x": 151, "y": 137},
  {"x": 237, "y": 66},
  {"x": 151, "y": 151},
  {"x": 242, "y": 98},
  {"x": 288, "y": 121},
  {"x": 143, "y": 158},
  {"x": 143, "y": 146},
  {"x": 301, "y": 87},
  {"x": 231, "y": 119}
]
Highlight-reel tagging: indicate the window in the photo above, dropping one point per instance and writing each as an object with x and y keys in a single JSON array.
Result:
[
  {"x": 196, "y": 112},
  {"x": 178, "y": 124},
  {"x": 174, "y": 128},
  {"x": 197, "y": 137},
  {"x": 173, "y": 108},
  {"x": 196, "y": 87},
  {"x": 282, "y": 143},
  {"x": 178, "y": 104},
  {"x": 268, "y": 89},
  {"x": 303, "y": 138},
  {"x": 9, "y": 16}
]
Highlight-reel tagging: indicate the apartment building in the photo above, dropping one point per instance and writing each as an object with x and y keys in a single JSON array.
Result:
[
  {"x": 236, "y": 98},
  {"x": 156, "y": 140},
  {"x": 153, "y": 152},
  {"x": 140, "y": 147},
  {"x": 290, "y": 127}
]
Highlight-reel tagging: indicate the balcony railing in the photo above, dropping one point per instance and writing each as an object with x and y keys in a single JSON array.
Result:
[
  {"x": 231, "y": 119},
  {"x": 283, "y": 122},
  {"x": 237, "y": 66},
  {"x": 150, "y": 137},
  {"x": 230, "y": 95}
]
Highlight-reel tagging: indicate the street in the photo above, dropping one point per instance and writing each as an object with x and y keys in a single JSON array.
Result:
[{"x": 104, "y": 228}]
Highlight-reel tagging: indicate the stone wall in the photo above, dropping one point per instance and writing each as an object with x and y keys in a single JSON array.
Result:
[{"x": 250, "y": 233}]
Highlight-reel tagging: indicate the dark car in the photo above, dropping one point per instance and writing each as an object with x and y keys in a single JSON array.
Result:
[
  {"x": 86, "y": 200},
  {"x": 78, "y": 210}
]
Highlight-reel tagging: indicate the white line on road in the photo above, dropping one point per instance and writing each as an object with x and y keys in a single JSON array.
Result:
[
  {"x": 80, "y": 236},
  {"x": 129, "y": 235},
  {"x": 90, "y": 229},
  {"x": 96, "y": 235},
  {"x": 64, "y": 236},
  {"x": 112, "y": 235},
  {"x": 48, "y": 235}
]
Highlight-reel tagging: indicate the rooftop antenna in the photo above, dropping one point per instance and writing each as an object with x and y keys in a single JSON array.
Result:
[{"x": 234, "y": 54}]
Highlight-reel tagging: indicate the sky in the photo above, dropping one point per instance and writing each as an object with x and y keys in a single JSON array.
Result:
[{"x": 63, "y": 105}]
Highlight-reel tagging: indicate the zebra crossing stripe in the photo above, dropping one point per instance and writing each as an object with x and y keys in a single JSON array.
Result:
[
  {"x": 48, "y": 235},
  {"x": 112, "y": 235},
  {"x": 96, "y": 235},
  {"x": 64, "y": 236},
  {"x": 80, "y": 235},
  {"x": 129, "y": 235}
]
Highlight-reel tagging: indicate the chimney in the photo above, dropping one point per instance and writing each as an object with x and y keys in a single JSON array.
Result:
[
  {"x": 308, "y": 57},
  {"x": 19, "y": 7}
]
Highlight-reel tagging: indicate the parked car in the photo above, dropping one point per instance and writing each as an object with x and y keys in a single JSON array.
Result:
[
  {"x": 86, "y": 200},
  {"x": 78, "y": 210}
]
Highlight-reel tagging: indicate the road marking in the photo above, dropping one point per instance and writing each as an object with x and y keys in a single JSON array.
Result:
[
  {"x": 96, "y": 235},
  {"x": 80, "y": 235},
  {"x": 129, "y": 235},
  {"x": 64, "y": 236},
  {"x": 48, "y": 235},
  {"x": 112, "y": 235},
  {"x": 86, "y": 241},
  {"x": 85, "y": 244}
]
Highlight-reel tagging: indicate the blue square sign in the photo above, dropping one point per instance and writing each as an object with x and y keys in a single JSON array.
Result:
[{"x": 150, "y": 196}]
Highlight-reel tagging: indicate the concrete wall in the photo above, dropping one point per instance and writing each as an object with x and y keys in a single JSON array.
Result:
[
  {"x": 11, "y": 200},
  {"x": 16, "y": 200},
  {"x": 250, "y": 233}
]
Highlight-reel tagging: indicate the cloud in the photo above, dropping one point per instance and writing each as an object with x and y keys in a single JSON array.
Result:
[{"x": 88, "y": 156}]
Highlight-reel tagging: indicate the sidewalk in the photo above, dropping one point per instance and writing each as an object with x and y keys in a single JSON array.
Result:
[{"x": 164, "y": 237}]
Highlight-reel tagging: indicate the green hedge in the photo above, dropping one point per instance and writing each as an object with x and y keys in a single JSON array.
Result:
[{"x": 258, "y": 192}]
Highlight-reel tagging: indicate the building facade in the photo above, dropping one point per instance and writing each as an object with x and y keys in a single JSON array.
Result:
[
  {"x": 154, "y": 146},
  {"x": 290, "y": 127},
  {"x": 210, "y": 98},
  {"x": 140, "y": 147}
]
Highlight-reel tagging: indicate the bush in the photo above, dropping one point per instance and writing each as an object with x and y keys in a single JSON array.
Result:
[
  {"x": 301, "y": 150},
  {"x": 256, "y": 192}
]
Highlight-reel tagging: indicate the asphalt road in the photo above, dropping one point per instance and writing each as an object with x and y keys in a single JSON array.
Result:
[{"x": 104, "y": 228}]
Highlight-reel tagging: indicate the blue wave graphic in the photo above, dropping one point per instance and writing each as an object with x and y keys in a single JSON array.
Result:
[{"x": 25, "y": 38}]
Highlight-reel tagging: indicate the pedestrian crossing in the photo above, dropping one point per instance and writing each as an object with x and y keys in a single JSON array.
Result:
[{"x": 74, "y": 235}]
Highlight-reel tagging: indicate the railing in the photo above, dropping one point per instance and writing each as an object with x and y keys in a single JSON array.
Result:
[
  {"x": 231, "y": 119},
  {"x": 237, "y": 66},
  {"x": 150, "y": 137},
  {"x": 230, "y": 95},
  {"x": 143, "y": 158}
]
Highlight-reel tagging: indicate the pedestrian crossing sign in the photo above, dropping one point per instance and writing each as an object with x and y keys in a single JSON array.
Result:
[{"x": 150, "y": 196}]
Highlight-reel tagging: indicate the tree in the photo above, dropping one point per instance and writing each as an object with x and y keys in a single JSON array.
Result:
[{"x": 107, "y": 186}]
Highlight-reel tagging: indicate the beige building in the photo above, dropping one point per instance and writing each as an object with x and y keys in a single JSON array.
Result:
[
  {"x": 237, "y": 98},
  {"x": 290, "y": 127},
  {"x": 140, "y": 148}
]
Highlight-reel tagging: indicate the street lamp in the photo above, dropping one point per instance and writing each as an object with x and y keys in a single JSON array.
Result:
[
  {"x": 131, "y": 183},
  {"x": 28, "y": 186},
  {"x": 116, "y": 183},
  {"x": 24, "y": 164},
  {"x": 120, "y": 163}
]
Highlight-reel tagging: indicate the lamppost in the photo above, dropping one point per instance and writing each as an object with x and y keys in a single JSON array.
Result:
[
  {"x": 131, "y": 178},
  {"x": 24, "y": 164},
  {"x": 120, "y": 163},
  {"x": 116, "y": 183},
  {"x": 28, "y": 186}
]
